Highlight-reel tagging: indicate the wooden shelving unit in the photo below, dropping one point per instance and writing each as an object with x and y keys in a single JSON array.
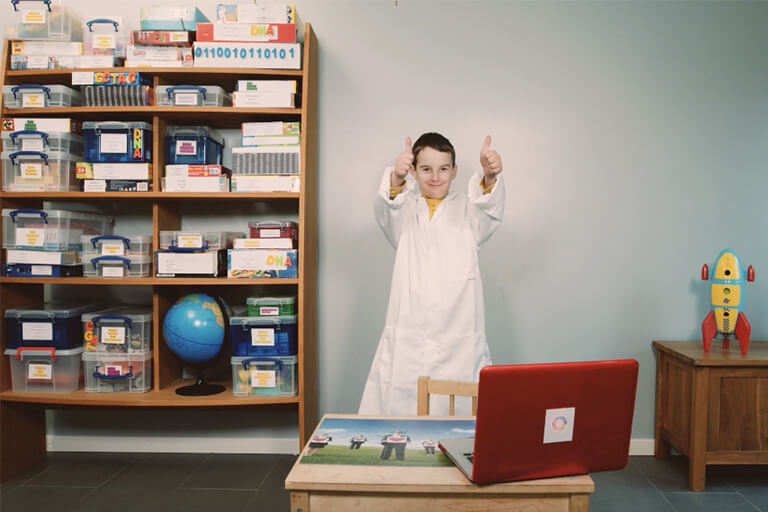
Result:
[{"x": 22, "y": 430}]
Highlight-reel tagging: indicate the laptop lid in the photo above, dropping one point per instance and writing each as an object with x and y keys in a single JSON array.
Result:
[{"x": 554, "y": 419}]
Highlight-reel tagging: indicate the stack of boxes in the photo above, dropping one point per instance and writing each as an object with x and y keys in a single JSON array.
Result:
[
  {"x": 193, "y": 160},
  {"x": 117, "y": 256},
  {"x": 166, "y": 36},
  {"x": 269, "y": 158},
  {"x": 270, "y": 251},
  {"x": 194, "y": 254}
]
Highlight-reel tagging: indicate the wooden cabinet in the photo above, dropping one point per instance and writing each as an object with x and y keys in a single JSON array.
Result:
[{"x": 22, "y": 431}]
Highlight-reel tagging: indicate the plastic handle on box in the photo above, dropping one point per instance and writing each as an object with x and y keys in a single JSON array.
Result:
[
  {"x": 46, "y": 2},
  {"x": 96, "y": 260},
  {"x": 173, "y": 247},
  {"x": 114, "y": 377},
  {"x": 278, "y": 362},
  {"x": 275, "y": 323},
  {"x": 15, "y": 155},
  {"x": 43, "y": 135},
  {"x": 125, "y": 240},
  {"x": 101, "y": 20},
  {"x": 51, "y": 350},
  {"x": 43, "y": 215},
  {"x": 46, "y": 90},
  {"x": 110, "y": 125},
  {"x": 39, "y": 314},
  {"x": 124, "y": 318},
  {"x": 202, "y": 90}
]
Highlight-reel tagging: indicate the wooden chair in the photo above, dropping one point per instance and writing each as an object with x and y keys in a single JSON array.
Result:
[{"x": 452, "y": 388}]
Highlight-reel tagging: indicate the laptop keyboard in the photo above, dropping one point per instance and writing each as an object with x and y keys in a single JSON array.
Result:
[{"x": 469, "y": 456}]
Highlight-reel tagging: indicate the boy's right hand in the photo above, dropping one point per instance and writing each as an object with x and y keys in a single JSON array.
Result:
[{"x": 403, "y": 165}]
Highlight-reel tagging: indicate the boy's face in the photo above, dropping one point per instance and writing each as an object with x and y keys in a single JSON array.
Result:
[{"x": 434, "y": 172}]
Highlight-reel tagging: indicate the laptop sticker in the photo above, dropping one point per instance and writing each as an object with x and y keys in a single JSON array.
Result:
[{"x": 558, "y": 425}]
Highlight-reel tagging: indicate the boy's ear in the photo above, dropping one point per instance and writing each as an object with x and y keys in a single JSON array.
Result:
[
  {"x": 454, "y": 171},
  {"x": 413, "y": 171}
]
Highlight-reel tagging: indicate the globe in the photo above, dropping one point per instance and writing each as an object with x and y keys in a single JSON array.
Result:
[{"x": 194, "y": 328}]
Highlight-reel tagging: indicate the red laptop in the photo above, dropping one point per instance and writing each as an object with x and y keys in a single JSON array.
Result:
[{"x": 546, "y": 420}]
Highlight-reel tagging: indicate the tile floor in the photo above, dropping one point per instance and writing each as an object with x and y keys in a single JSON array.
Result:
[{"x": 217, "y": 482}]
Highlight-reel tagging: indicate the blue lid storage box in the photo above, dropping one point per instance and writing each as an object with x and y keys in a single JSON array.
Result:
[
  {"x": 117, "y": 141},
  {"x": 51, "y": 230},
  {"x": 117, "y": 372},
  {"x": 171, "y": 17},
  {"x": 195, "y": 145},
  {"x": 264, "y": 376},
  {"x": 54, "y": 325},
  {"x": 192, "y": 96},
  {"x": 95, "y": 265},
  {"x": 45, "y": 369},
  {"x": 258, "y": 335},
  {"x": 116, "y": 245},
  {"x": 43, "y": 20},
  {"x": 119, "y": 329}
]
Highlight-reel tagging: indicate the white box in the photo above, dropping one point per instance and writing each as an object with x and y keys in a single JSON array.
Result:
[
  {"x": 46, "y": 48},
  {"x": 42, "y": 257},
  {"x": 196, "y": 184},
  {"x": 266, "y": 183},
  {"x": 265, "y": 243},
  {"x": 270, "y": 128},
  {"x": 259, "y": 99},
  {"x": 248, "y": 55},
  {"x": 122, "y": 171},
  {"x": 171, "y": 264},
  {"x": 267, "y": 86}
]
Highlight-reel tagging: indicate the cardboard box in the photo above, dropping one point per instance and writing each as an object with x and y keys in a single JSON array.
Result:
[{"x": 246, "y": 32}]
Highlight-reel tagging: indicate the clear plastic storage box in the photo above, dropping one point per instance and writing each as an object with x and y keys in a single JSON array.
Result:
[
  {"x": 117, "y": 141},
  {"x": 198, "y": 240},
  {"x": 115, "y": 245},
  {"x": 117, "y": 373},
  {"x": 192, "y": 96},
  {"x": 274, "y": 229},
  {"x": 119, "y": 329},
  {"x": 105, "y": 36},
  {"x": 193, "y": 145},
  {"x": 38, "y": 171},
  {"x": 271, "y": 306},
  {"x": 44, "y": 19},
  {"x": 54, "y": 325},
  {"x": 45, "y": 370},
  {"x": 95, "y": 265},
  {"x": 264, "y": 376},
  {"x": 40, "y": 96},
  {"x": 260, "y": 335},
  {"x": 51, "y": 230},
  {"x": 171, "y": 17},
  {"x": 35, "y": 140}
]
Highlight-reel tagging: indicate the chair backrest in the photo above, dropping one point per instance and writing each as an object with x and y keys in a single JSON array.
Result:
[{"x": 452, "y": 388}]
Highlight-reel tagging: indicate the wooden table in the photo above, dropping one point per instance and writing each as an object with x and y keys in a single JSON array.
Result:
[
  {"x": 341, "y": 488},
  {"x": 711, "y": 407}
]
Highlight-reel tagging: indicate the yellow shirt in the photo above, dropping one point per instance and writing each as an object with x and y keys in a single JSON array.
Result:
[{"x": 432, "y": 204}]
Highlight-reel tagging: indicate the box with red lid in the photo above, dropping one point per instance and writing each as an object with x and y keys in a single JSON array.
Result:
[{"x": 274, "y": 229}]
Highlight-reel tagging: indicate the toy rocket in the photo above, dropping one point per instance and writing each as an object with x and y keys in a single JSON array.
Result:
[{"x": 726, "y": 316}]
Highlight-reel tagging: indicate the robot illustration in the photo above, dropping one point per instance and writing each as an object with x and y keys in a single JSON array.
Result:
[{"x": 726, "y": 316}]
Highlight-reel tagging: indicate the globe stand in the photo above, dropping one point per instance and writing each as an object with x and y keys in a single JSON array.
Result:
[{"x": 200, "y": 387}]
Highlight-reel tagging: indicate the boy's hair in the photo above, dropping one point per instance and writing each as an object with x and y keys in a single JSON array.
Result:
[{"x": 435, "y": 141}]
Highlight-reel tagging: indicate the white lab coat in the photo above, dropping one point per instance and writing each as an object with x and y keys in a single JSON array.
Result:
[{"x": 435, "y": 323}]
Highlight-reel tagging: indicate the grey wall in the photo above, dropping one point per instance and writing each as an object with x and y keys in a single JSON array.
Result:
[{"x": 633, "y": 136}]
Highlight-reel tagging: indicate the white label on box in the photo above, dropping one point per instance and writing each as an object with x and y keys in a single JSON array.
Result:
[
  {"x": 266, "y": 183},
  {"x": 191, "y": 263},
  {"x": 179, "y": 37},
  {"x": 37, "y": 331},
  {"x": 263, "y": 378},
  {"x": 32, "y": 144},
  {"x": 263, "y": 243},
  {"x": 186, "y": 147},
  {"x": 558, "y": 425},
  {"x": 248, "y": 55},
  {"x": 269, "y": 233},
  {"x": 112, "y": 249},
  {"x": 189, "y": 241},
  {"x": 112, "y": 271},
  {"x": 185, "y": 99},
  {"x": 41, "y": 270},
  {"x": 113, "y": 335},
  {"x": 269, "y": 311},
  {"x": 40, "y": 371},
  {"x": 31, "y": 171},
  {"x": 111, "y": 369},
  {"x": 104, "y": 41},
  {"x": 37, "y": 62},
  {"x": 95, "y": 185},
  {"x": 121, "y": 171},
  {"x": 195, "y": 184},
  {"x": 251, "y": 32},
  {"x": 33, "y": 100},
  {"x": 82, "y": 78},
  {"x": 39, "y": 257},
  {"x": 36, "y": 16},
  {"x": 113, "y": 143},
  {"x": 176, "y": 170},
  {"x": 263, "y": 337},
  {"x": 259, "y": 260},
  {"x": 29, "y": 237}
]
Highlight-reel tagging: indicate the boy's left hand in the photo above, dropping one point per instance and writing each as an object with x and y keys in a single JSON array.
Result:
[{"x": 490, "y": 160}]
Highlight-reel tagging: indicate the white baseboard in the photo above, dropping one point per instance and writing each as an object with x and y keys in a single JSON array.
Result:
[{"x": 211, "y": 444}]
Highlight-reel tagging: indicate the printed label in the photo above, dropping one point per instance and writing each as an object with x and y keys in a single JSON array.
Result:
[
  {"x": 111, "y": 370},
  {"x": 82, "y": 77},
  {"x": 95, "y": 186},
  {"x": 29, "y": 237},
  {"x": 32, "y": 144},
  {"x": 31, "y": 171},
  {"x": 269, "y": 233},
  {"x": 36, "y": 16},
  {"x": 112, "y": 271},
  {"x": 185, "y": 99},
  {"x": 189, "y": 241},
  {"x": 263, "y": 337},
  {"x": 37, "y": 331},
  {"x": 37, "y": 62},
  {"x": 263, "y": 378},
  {"x": 33, "y": 100},
  {"x": 186, "y": 147},
  {"x": 269, "y": 311},
  {"x": 104, "y": 41},
  {"x": 558, "y": 425},
  {"x": 113, "y": 335},
  {"x": 112, "y": 249},
  {"x": 192, "y": 263},
  {"x": 113, "y": 143},
  {"x": 41, "y": 270},
  {"x": 40, "y": 371}
]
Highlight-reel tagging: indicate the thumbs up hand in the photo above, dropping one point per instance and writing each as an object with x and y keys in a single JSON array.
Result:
[
  {"x": 403, "y": 165},
  {"x": 490, "y": 160}
]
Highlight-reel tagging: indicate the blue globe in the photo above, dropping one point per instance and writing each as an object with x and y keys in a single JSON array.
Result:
[{"x": 194, "y": 328}]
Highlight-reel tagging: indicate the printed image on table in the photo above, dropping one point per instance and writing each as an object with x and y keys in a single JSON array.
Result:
[{"x": 383, "y": 441}]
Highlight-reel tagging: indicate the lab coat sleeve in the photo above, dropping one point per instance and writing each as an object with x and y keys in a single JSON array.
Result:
[
  {"x": 485, "y": 211},
  {"x": 389, "y": 212}
]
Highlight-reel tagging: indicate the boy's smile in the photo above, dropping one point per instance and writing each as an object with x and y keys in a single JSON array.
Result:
[{"x": 434, "y": 171}]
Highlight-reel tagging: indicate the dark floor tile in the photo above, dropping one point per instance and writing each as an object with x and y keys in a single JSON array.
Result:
[
  {"x": 199, "y": 500},
  {"x": 232, "y": 471},
  {"x": 23, "y": 476},
  {"x": 709, "y": 502},
  {"x": 35, "y": 499},
  {"x": 77, "y": 473},
  {"x": 272, "y": 495},
  {"x": 628, "y": 498},
  {"x": 671, "y": 474},
  {"x": 123, "y": 499},
  {"x": 159, "y": 475}
]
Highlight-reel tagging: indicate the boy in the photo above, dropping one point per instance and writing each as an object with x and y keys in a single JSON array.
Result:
[{"x": 435, "y": 323}]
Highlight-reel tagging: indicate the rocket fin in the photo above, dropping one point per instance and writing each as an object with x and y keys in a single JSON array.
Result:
[{"x": 708, "y": 330}]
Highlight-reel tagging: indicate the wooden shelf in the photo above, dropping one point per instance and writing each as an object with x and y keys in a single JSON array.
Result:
[
  {"x": 207, "y": 196},
  {"x": 153, "y": 281}
]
